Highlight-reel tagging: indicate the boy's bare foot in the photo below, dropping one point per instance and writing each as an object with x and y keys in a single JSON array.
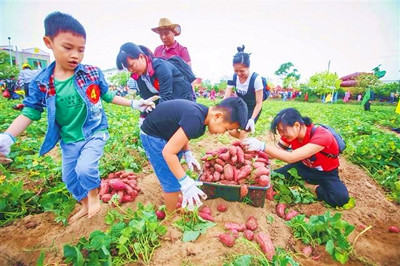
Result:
[
  {"x": 81, "y": 213},
  {"x": 94, "y": 203}
]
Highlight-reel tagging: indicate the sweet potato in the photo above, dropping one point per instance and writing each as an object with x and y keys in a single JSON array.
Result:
[
  {"x": 307, "y": 250},
  {"x": 266, "y": 244},
  {"x": 244, "y": 171},
  {"x": 160, "y": 215},
  {"x": 263, "y": 155},
  {"x": 210, "y": 178},
  {"x": 222, "y": 150},
  {"x": 106, "y": 198},
  {"x": 206, "y": 157},
  {"x": 234, "y": 159},
  {"x": 202, "y": 177},
  {"x": 120, "y": 195},
  {"x": 117, "y": 184},
  {"x": 225, "y": 156},
  {"x": 216, "y": 176},
  {"x": 247, "y": 162},
  {"x": 237, "y": 143},
  {"x": 258, "y": 164},
  {"x": 242, "y": 181},
  {"x": 235, "y": 226},
  {"x": 206, "y": 216},
  {"x": 207, "y": 165},
  {"x": 270, "y": 193},
  {"x": 243, "y": 191},
  {"x": 111, "y": 175},
  {"x": 280, "y": 209},
  {"x": 262, "y": 160},
  {"x": 103, "y": 188},
  {"x": 222, "y": 207},
  {"x": 222, "y": 177},
  {"x": 248, "y": 156},
  {"x": 227, "y": 239},
  {"x": 291, "y": 214},
  {"x": 212, "y": 153},
  {"x": 249, "y": 235},
  {"x": 218, "y": 168},
  {"x": 205, "y": 209},
  {"x": 228, "y": 172},
  {"x": 264, "y": 181},
  {"x": 394, "y": 229},
  {"x": 118, "y": 174},
  {"x": 220, "y": 162},
  {"x": 129, "y": 190},
  {"x": 127, "y": 198},
  {"x": 235, "y": 174},
  {"x": 261, "y": 171},
  {"x": 124, "y": 175},
  {"x": 235, "y": 233},
  {"x": 240, "y": 155},
  {"x": 251, "y": 223},
  {"x": 232, "y": 150}
]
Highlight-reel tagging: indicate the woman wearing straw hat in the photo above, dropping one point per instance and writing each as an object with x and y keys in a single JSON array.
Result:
[{"x": 167, "y": 31}]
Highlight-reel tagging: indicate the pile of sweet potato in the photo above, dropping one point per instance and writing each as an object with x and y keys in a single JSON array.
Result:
[
  {"x": 122, "y": 183},
  {"x": 249, "y": 232},
  {"x": 234, "y": 165}
]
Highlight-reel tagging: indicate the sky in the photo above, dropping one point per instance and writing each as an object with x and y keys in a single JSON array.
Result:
[{"x": 355, "y": 36}]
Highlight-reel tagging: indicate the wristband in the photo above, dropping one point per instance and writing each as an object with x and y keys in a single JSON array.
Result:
[{"x": 183, "y": 178}]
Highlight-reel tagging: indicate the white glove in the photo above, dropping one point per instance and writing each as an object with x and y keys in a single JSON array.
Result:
[
  {"x": 191, "y": 161},
  {"x": 254, "y": 144},
  {"x": 251, "y": 125},
  {"x": 191, "y": 192},
  {"x": 143, "y": 105},
  {"x": 6, "y": 140}
]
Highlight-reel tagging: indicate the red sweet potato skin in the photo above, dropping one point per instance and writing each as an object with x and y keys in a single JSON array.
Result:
[
  {"x": 235, "y": 226},
  {"x": 266, "y": 244},
  {"x": 227, "y": 239},
  {"x": 222, "y": 207},
  {"x": 291, "y": 214},
  {"x": 280, "y": 209},
  {"x": 206, "y": 216},
  {"x": 394, "y": 229},
  {"x": 249, "y": 235},
  {"x": 251, "y": 223}
]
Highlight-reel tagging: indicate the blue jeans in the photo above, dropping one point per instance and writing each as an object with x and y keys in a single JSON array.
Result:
[
  {"x": 153, "y": 147},
  {"x": 331, "y": 189},
  {"x": 80, "y": 164}
]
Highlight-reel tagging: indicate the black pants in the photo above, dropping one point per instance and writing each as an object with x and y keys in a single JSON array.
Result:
[
  {"x": 26, "y": 89},
  {"x": 331, "y": 189}
]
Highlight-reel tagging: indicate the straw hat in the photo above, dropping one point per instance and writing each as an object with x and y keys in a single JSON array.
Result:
[{"x": 168, "y": 24}]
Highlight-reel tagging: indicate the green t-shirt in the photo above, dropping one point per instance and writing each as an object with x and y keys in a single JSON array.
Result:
[{"x": 70, "y": 110}]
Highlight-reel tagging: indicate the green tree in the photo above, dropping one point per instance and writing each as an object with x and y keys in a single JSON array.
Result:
[
  {"x": 119, "y": 79},
  {"x": 6, "y": 70},
  {"x": 324, "y": 82},
  {"x": 289, "y": 75},
  {"x": 368, "y": 80},
  {"x": 386, "y": 88}
]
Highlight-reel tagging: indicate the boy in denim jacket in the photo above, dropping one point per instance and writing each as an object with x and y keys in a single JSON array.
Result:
[{"x": 71, "y": 93}]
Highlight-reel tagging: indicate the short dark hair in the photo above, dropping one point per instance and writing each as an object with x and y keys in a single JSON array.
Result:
[
  {"x": 234, "y": 109},
  {"x": 132, "y": 50},
  {"x": 288, "y": 117},
  {"x": 241, "y": 57},
  {"x": 57, "y": 22}
]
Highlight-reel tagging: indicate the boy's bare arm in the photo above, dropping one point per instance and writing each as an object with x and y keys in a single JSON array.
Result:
[
  {"x": 18, "y": 125},
  {"x": 170, "y": 151}
]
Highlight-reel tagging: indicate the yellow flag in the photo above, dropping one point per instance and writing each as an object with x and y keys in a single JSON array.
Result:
[{"x": 398, "y": 107}]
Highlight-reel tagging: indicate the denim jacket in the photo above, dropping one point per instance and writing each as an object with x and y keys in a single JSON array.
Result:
[{"x": 90, "y": 84}]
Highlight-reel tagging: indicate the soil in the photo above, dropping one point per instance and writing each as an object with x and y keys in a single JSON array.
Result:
[{"x": 22, "y": 241}]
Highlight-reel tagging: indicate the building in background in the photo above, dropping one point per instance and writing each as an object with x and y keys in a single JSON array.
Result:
[{"x": 33, "y": 56}]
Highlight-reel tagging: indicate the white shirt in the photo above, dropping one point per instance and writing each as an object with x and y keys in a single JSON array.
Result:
[{"x": 242, "y": 88}]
